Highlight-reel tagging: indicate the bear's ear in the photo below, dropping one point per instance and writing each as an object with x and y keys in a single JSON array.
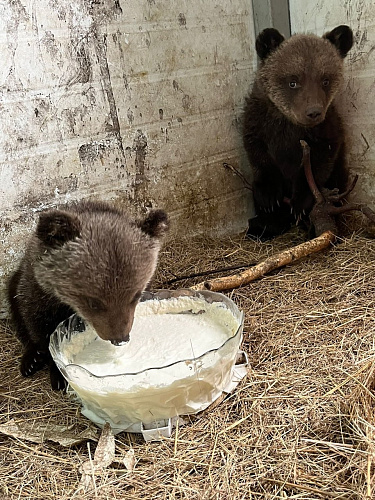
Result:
[
  {"x": 56, "y": 228},
  {"x": 342, "y": 39},
  {"x": 156, "y": 224},
  {"x": 267, "y": 41}
]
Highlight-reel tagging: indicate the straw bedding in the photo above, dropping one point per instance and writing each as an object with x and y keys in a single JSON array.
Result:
[{"x": 301, "y": 425}]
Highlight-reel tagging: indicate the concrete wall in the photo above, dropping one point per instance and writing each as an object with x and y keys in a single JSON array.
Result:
[
  {"x": 357, "y": 99},
  {"x": 135, "y": 101}
]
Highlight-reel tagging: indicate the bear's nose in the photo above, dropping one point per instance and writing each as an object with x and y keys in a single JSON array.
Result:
[
  {"x": 314, "y": 112},
  {"x": 119, "y": 342}
]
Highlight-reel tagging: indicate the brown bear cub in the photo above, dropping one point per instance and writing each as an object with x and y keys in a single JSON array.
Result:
[
  {"x": 292, "y": 99},
  {"x": 89, "y": 258}
]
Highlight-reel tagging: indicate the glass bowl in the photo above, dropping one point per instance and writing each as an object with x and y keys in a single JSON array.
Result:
[{"x": 132, "y": 398}]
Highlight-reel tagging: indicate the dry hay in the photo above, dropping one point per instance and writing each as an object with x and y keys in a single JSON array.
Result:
[{"x": 300, "y": 426}]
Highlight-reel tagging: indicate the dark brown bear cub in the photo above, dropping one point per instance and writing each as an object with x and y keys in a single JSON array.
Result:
[
  {"x": 293, "y": 99},
  {"x": 88, "y": 258}
]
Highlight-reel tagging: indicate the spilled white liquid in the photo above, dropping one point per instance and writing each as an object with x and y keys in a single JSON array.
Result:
[{"x": 163, "y": 332}]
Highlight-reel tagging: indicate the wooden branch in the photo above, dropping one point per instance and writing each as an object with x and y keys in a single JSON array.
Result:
[
  {"x": 308, "y": 172},
  {"x": 359, "y": 207},
  {"x": 335, "y": 199},
  {"x": 325, "y": 211},
  {"x": 274, "y": 262}
]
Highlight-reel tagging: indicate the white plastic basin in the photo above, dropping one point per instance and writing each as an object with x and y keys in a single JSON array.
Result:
[{"x": 181, "y": 385}]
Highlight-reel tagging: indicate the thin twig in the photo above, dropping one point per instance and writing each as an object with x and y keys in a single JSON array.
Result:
[
  {"x": 239, "y": 174},
  {"x": 207, "y": 273}
]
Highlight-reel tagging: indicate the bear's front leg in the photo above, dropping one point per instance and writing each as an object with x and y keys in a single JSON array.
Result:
[
  {"x": 268, "y": 183},
  {"x": 268, "y": 189},
  {"x": 33, "y": 360},
  {"x": 302, "y": 200}
]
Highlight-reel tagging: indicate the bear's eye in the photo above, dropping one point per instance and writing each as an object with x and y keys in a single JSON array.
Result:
[
  {"x": 325, "y": 82},
  {"x": 95, "y": 304},
  {"x": 293, "y": 84}
]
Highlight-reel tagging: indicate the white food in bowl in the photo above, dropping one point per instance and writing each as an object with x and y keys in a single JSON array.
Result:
[{"x": 163, "y": 333}]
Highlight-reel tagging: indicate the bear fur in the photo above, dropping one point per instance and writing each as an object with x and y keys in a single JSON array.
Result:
[
  {"x": 89, "y": 258},
  {"x": 292, "y": 99}
]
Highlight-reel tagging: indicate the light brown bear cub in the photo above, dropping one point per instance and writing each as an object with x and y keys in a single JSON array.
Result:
[{"x": 89, "y": 258}]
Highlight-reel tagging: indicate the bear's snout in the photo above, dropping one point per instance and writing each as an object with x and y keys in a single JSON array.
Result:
[
  {"x": 119, "y": 332},
  {"x": 114, "y": 326},
  {"x": 314, "y": 112},
  {"x": 310, "y": 115},
  {"x": 119, "y": 342}
]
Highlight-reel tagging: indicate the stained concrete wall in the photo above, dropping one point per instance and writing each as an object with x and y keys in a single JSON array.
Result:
[
  {"x": 135, "y": 101},
  {"x": 357, "y": 97}
]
